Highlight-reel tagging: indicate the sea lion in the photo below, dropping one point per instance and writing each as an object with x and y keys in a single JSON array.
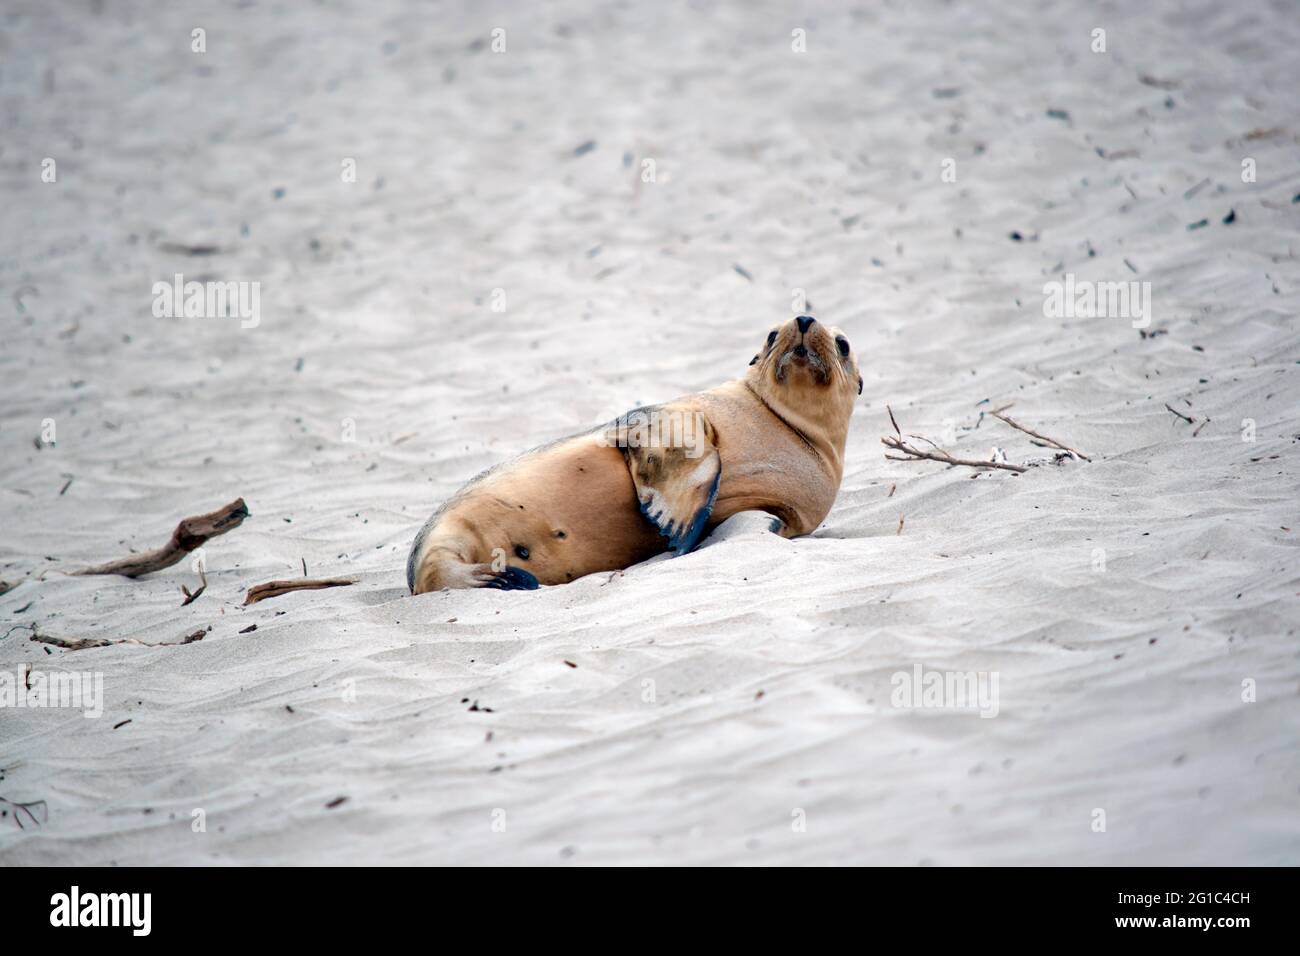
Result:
[{"x": 657, "y": 478}]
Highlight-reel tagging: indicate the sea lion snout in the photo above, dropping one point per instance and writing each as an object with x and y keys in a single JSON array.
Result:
[
  {"x": 805, "y": 355},
  {"x": 805, "y": 349},
  {"x": 805, "y": 344}
]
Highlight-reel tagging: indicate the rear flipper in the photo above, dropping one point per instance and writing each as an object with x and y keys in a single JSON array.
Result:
[
  {"x": 513, "y": 579},
  {"x": 440, "y": 569},
  {"x": 676, "y": 480}
]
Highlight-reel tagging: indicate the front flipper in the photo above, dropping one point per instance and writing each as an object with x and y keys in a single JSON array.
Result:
[{"x": 676, "y": 476}]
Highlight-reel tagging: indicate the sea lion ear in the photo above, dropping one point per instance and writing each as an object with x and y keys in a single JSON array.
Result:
[
  {"x": 859, "y": 384},
  {"x": 754, "y": 360},
  {"x": 677, "y": 483}
]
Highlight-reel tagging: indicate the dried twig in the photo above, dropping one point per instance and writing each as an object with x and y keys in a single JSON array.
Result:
[
  {"x": 191, "y": 533},
  {"x": 17, "y": 627},
  {"x": 272, "y": 589},
  {"x": 911, "y": 453},
  {"x": 1190, "y": 421},
  {"x": 191, "y": 598},
  {"x": 27, "y": 808},
  {"x": 84, "y": 643},
  {"x": 1051, "y": 442}
]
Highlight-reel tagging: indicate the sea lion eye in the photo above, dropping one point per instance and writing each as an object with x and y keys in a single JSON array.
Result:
[
  {"x": 842, "y": 344},
  {"x": 771, "y": 337}
]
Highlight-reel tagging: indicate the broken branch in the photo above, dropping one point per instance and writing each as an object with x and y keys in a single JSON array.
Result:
[
  {"x": 272, "y": 589},
  {"x": 83, "y": 643},
  {"x": 1051, "y": 442},
  {"x": 191, "y": 533},
  {"x": 911, "y": 453}
]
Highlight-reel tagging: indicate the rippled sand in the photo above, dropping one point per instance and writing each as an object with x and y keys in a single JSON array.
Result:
[{"x": 733, "y": 705}]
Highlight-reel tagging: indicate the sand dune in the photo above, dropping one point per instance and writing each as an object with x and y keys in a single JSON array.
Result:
[{"x": 733, "y": 705}]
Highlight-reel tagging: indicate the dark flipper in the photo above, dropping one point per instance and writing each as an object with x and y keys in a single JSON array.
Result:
[
  {"x": 677, "y": 484},
  {"x": 513, "y": 579}
]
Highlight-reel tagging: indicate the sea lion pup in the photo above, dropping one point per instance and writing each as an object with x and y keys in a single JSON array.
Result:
[{"x": 658, "y": 477}]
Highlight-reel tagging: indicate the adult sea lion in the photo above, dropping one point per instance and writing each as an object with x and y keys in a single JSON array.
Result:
[{"x": 657, "y": 478}]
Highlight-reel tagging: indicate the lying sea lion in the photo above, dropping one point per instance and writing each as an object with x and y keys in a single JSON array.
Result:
[{"x": 657, "y": 478}]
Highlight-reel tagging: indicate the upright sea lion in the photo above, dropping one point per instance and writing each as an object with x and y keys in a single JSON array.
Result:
[{"x": 658, "y": 477}]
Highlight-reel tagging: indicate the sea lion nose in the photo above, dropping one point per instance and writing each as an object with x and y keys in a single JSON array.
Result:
[{"x": 805, "y": 322}]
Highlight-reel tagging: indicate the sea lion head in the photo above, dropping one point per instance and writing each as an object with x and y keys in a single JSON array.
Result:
[{"x": 809, "y": 372}]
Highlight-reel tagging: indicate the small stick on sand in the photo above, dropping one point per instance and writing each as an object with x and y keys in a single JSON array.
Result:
[
  {"x": 17, "y": 627},
  {"x": 1051, "y": 442},
  {"x": 27, "y": 808},
  {"x": 1190, "y": 421},
  {"x": 203, "y": 586},
  {"x": 272, "y": 589},
  {"x": 83, "y": 643},
  {"x": 191, "y": 533},
  {"x": 911, "y": 453}
]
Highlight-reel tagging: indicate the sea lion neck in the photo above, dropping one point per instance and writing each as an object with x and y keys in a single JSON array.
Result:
[{"x": 828, "y": 447}]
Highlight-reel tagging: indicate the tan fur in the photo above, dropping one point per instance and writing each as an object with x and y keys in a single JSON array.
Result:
[{"x": 779, "y": 432}]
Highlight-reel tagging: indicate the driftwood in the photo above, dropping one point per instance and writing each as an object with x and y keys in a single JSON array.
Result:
[
  {"x": 83, "y": 643},
  {"x": 912, "y": 453},
  {"x": 191, "y": 533},
  {"x": 272, "y": 589},
  {"x": 1050, "y": 442}
]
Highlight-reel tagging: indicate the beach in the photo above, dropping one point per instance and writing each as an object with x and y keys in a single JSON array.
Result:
[{"x": 454, "y": 244}]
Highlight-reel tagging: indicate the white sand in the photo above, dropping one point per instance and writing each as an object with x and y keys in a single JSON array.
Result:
[{"x": 771, "y": 660}]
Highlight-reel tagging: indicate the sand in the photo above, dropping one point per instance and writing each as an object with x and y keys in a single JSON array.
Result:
[{"x": 735, "y": 705}]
